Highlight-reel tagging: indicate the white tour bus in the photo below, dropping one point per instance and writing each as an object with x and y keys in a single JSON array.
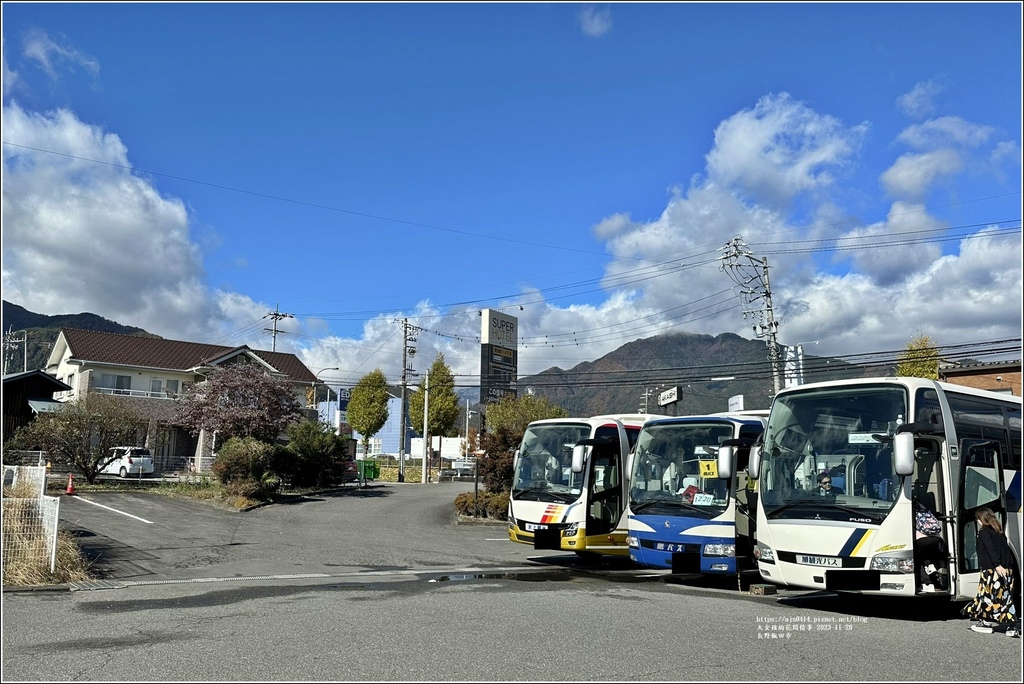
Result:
[
  {"x": 884, "y": 443},
  {"x": 570, "y": 483}
]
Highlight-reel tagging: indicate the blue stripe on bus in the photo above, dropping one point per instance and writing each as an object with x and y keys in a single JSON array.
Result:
[{"x": 852, "y": 542}]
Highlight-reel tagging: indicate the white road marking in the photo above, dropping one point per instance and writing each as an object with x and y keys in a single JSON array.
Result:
[{"x": 148, "y": 522}]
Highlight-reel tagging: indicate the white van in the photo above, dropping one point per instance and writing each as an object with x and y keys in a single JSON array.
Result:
[{"x": 129, "y": 461}]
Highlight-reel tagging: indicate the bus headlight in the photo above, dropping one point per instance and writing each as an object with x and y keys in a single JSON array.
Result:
[
  {"x": 720, "y": 549},
  {"x": 634, "y": 542},
  {"x": 571, "y": 529},
  {"x": 887, "y": 563},
  {"x": 764, "y": 553}
]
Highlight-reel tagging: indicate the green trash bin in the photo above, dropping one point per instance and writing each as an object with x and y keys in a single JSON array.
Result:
[{"x": 368, "y": 470}]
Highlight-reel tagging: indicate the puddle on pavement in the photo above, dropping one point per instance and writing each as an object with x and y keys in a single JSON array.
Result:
[{"x": 547, "y": 576}]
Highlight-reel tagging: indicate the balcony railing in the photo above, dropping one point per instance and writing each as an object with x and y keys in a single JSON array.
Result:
[{"x": 163, "y": 394}]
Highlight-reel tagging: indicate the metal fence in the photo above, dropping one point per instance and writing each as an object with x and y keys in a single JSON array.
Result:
[{"x": 30, "y": 519}]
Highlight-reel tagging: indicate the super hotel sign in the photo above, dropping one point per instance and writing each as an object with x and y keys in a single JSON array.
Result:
[{"x": 498, "y": 355}]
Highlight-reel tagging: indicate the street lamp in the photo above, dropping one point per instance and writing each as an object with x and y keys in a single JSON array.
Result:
[{"x": 327, "y": 413}]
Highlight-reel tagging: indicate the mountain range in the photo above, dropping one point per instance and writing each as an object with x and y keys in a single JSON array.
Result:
[{"x": 705, "y": 370}]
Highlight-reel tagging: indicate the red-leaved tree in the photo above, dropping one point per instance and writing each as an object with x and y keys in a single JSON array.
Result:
[{"x": 240, "y": 400}]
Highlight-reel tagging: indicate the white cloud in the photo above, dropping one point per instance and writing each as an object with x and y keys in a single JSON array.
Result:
[
  {"x": 1006, "y": 150},
  {"x": 876, "y": 250},
  {"x": 81, "y": 236},
  {"x": 945, "y": 131},
  {"x": 780, "y": 148},
  {"x": 10, "y": 77},
  {"x": 954, "y": 297},
  {"x": 919, "y": 102},
  {"x": 612, "y": 225},
  {"x": 912, "y": 175},
  {"x": 594, "y": 22},
  {"x": 50, "y": 55}
]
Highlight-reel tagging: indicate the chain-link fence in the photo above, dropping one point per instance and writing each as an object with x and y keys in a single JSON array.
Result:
[{"x": 30, "y": 519}]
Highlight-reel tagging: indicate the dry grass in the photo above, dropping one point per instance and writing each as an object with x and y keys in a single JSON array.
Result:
[{"x": 32, "y": 567}]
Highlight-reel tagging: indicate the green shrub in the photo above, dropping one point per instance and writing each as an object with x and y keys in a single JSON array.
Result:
[
  {"x": 497, "y": 505},
  {"x": 313, "y": 449},
  {"x": 243, "y": 459},
  {"x": 489, "y": 504}
]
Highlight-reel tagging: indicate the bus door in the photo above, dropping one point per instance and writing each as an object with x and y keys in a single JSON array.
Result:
[
  {"x": 928, "y": 487},
  {"x": 605, "y": 494},
  {"x": 981, "y": 485}
]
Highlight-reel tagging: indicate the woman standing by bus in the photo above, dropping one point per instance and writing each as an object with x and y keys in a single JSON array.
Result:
[{"x": 993, "y": 607}]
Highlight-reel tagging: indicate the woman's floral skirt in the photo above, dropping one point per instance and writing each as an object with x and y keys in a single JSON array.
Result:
[{"x": 994, "y": 602}]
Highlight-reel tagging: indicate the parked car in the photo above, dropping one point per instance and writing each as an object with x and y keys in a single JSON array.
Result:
[{"x": 129, "y": 461}]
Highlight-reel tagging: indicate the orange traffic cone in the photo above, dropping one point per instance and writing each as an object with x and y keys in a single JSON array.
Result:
[{"x": 71, "y": 484}]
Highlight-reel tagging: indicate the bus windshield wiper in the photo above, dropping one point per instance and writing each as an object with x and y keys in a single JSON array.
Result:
[
  {"x": 636, "y": 508},
  {"x": 532, "y": 489},
  {"x": 545, "y": 491},
  {"x": 792, "y": 504},
  {"x": 858, "y": 511}
]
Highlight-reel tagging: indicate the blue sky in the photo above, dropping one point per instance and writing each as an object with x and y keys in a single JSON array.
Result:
[{"x": 189, "y": 168}]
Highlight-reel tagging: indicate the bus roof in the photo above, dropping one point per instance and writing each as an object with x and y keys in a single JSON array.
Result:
[
  {"x": 758, "y": 416},
  {"x": 632, "y": 419},
  {"x": 906, "y": 381}
]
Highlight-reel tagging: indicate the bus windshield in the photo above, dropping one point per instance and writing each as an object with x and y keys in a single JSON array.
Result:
[
  {"x": 543, "y": 466},
  {"x": 827, "y": 453},
  {"x": 675, "y": 470}
]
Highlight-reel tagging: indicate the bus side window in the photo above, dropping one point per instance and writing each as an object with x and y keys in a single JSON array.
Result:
[{"x": 981, "y": 483}]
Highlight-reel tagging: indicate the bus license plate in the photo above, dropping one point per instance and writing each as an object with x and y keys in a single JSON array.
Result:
[
  {"x": 533, "y": 527},
  {"x": 824, "y": 561}
]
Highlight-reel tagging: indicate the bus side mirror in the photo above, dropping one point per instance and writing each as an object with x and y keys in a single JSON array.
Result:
[
  {"x": 726, "y": 461},
  {"x": 577, "y": 458},
  {"x": 903, "y": 454},
  {"x": 754, "y": 464}
]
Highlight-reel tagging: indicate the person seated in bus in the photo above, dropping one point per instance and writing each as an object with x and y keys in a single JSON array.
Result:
[
  {"x": 838, "y": 474},
  {"x": 670, "y": 477},
  {"x": 825, "y": 487},
  {"x": 545, "y": 466},
  {"x": 929, "y": 548}
]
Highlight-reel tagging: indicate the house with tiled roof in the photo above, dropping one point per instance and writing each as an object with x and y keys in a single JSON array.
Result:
[
  {"x": 995, "y": 376},
  {"x": 151, "y": 372}
]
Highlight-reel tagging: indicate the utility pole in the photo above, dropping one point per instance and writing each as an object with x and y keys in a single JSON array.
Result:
[
  {"x": 276, "y": 315},
  {"x": 751, "y": 274},
  {"x": 408, "y": 351},
  {"x": 426, "y": 435},
  {"x": 11, "y": 344}
]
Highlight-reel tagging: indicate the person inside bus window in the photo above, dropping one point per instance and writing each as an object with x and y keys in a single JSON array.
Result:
[
  {"x": 825, "y": 487},
  {"x": 545, "y": 467},
  {"x": 672, "y": 475}
]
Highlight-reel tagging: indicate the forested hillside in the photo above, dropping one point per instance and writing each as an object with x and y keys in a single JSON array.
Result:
[{"x": 42, "y": 333}]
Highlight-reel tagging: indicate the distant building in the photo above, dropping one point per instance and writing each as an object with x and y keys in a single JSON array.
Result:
[
  {"x": 26, "y": 395},
  {"x": 151, "y": 372},
  {"x": 996, "y": 376}
]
